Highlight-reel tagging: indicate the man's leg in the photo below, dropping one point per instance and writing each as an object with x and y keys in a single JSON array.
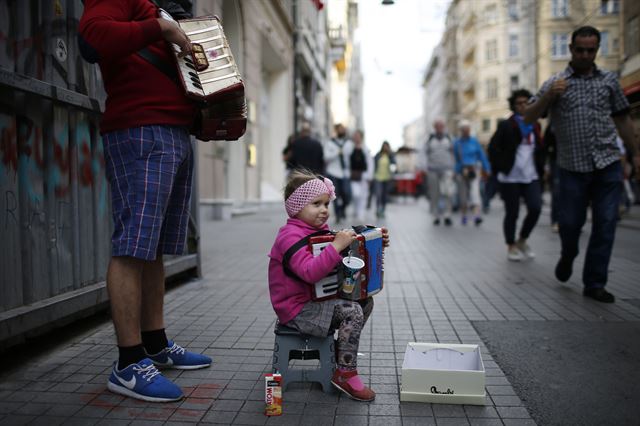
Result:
[
  {"x": 346, "y": 196},
  {"x": 433, "y": 184},
  {"x": 605, "y": 198},
  {"x": 124, "y": 287},
  {"x": 338, "y": 202},
  {"x": 555, "y": 196},
  {"x": 572, "y": 213},
  {"x": 511, "y": 198},
  {"x": 152, "y": 319}
]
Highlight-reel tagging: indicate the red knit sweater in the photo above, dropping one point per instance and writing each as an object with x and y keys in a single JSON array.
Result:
[{"x": 137, "y": 92}]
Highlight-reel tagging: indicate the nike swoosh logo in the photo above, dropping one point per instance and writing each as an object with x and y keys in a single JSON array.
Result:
[
  {"x": 167, "y": 363},
  {"x": 127, "y": 383}
]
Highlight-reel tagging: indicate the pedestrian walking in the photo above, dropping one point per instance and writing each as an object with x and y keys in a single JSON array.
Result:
[
  {"x": 586, "y": 106},
  {"x": 361, "y": 173},
  {"x": 149, "y": 166},
  {"x": 306, "y": 151},
  {"x": 337, "y": 152},
  {"x": 517, "y": 157},
  {"x": 437, "y": 161},
  {"x": 468, "y": 153},
  {"x": 384, "y": 167},
  {"x": 307, "y": 198}
]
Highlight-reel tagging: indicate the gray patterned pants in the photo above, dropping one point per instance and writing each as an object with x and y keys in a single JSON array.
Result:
[{"x": 349, "y": 318}]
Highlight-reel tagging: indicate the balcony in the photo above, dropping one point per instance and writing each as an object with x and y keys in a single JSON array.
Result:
[{"x": 338, "y": 42}]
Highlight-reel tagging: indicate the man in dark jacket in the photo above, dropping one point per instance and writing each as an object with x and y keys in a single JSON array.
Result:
[
  {"x": 517, "y": 157},
  {"x": 306, "y": 152}
]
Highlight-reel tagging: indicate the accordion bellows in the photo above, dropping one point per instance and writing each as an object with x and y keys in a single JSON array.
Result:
[{"x": 211, "y": 77}]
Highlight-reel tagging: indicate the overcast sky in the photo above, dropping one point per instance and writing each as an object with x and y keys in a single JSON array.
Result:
[{"x": 397, "y": 41}]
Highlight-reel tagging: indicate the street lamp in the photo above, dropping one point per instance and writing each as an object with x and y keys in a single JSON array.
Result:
[{"x": 387, "y": 2}]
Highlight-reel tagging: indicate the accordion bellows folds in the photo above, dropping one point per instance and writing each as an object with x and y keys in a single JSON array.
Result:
[{"x": 210, "y": 77}]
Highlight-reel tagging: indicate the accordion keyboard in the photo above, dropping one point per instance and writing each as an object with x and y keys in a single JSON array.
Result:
[{"x": 221, "y": 72}]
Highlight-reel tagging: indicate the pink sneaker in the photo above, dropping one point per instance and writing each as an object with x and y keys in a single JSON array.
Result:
[{"x": 341, "y": 381}]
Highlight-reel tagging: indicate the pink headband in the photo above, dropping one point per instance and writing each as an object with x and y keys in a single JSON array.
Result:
[{"x": 306, "y": 192}]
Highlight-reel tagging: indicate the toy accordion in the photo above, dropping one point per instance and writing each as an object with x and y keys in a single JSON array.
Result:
[{"x": 368, "y": 247}]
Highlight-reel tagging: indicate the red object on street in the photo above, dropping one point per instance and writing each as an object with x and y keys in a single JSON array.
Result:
[{"x": 407, "y": 183}]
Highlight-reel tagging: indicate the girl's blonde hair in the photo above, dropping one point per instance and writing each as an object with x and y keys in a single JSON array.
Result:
[{"x": 296, "y": 179}]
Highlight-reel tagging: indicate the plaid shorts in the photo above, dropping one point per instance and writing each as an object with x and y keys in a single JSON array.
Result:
[{"x": 150, "y": 170}]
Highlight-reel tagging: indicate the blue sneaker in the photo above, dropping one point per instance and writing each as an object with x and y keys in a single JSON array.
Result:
[
  {"x": 143, "y": 381},
  {"x": 175, "y": 356}
]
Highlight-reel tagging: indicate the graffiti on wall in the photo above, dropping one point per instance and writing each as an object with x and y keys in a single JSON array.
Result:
[{"x": 23, "y": 164}]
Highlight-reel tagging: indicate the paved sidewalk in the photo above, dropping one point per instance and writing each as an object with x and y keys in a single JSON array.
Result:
[{"x": 437, "y": 281}]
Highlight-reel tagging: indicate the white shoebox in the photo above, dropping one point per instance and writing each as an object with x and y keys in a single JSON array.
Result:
[{"x": 443, "y": 373}]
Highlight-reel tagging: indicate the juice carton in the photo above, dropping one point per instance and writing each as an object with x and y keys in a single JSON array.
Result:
[{"x": 273, "y": 394}]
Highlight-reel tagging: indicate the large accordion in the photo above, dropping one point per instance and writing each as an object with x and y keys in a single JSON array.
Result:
[
  {"x": 210, "y": 77},
  {"x": 368, "y": 247}
]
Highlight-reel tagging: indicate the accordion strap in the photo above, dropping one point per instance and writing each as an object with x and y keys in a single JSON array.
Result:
[
  {"x": 166, "y": 68},
  {"x": 294, "y": 248}
]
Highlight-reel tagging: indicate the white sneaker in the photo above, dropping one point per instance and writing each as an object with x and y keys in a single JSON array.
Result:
[
  {"x": 525, "y": 249},
  {"x": 514, "y": 254}
]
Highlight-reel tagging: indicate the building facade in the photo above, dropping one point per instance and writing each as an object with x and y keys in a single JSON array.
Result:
[
  {"x": 281, "y": 49},
  {"x": 505, "y": 57},
  {"x": 557, "y": 19},
  {"x": 630, "y": 56},
  {"x": 346, "y": 75}
]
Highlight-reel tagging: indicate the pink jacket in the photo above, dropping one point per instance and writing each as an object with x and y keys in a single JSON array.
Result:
[{"x": 289, "y": 295}]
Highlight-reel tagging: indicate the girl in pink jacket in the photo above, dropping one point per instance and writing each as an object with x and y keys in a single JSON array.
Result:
[{"x": 307, "y": 197}]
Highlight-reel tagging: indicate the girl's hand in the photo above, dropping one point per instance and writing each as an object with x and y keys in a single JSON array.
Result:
[
  {"x": 343, "y": 239},
  {"x": 385, "y": 237}
]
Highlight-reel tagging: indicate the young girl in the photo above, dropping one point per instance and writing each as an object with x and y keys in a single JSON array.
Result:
[{"x": 307, "y": 198}]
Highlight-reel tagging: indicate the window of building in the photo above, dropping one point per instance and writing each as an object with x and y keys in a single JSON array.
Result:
[
  {"x": 632, "y": 30},
  {"x": 559, "y": 45},
  {"x": 491, "y": 14},
  {"x": 492, "y": 88},
  {"x": 512, "y": 9},
  {"x": 513, "y": 45},
  {"x": 604, "y": 43},
  {"x": 486, "y": 124},
  {"x": 514, "y": 82},
  {"x": 609, "y": 7},
  {"x": 491, "y": 50},
  {"x": 559, "y": 8}
]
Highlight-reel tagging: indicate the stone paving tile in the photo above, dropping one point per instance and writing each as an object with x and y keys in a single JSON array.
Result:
[
  {"x": 46, "y": 421},
  {"x": 485, "y": 422}
]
